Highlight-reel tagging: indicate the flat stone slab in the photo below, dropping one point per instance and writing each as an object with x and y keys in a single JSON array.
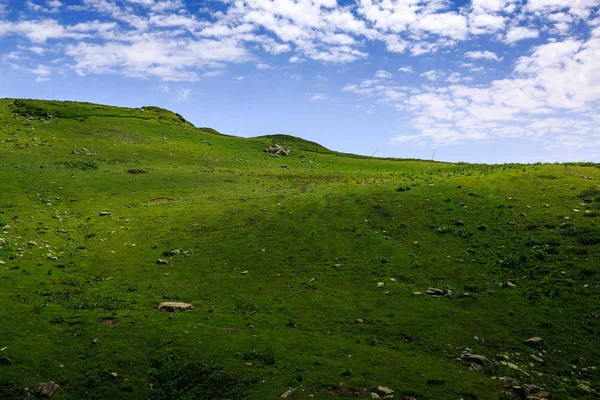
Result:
[
  {"x": 534, "y": 342},
  {"x": 174, "y": 306},
  {"x": 48, "y": 388}
]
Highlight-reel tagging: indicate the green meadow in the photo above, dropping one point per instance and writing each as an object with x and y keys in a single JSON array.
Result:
[{"x": 308, "y": 273}]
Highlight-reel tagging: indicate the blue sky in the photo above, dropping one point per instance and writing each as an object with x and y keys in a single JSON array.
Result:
[{"x": 478, "y": 81}]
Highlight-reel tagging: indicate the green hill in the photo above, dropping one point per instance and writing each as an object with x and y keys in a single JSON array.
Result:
[{"x": 307, "y": 272}]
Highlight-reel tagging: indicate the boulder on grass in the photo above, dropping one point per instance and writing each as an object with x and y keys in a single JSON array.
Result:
[
  {"x": 174, "y": 306},
  {"x": 48, "y": 388}
]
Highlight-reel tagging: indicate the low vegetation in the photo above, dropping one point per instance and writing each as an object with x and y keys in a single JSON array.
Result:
[{"x": 311, "y": 273}]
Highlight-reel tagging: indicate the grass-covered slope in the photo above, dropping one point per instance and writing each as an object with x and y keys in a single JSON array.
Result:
[{"x": 282, "y": 258}]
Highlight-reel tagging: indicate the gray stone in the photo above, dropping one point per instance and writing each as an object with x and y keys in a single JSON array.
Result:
[
  {"x": 174, "y": 306},
  {"x": 383, "y": 390},
  {"x": 287, "y": 394},
  {"x": 278, "y": 150},
  {"x": 48, "y": 388},
  {"x": 534, "y": 342},
  {"x": 474, "y": 358},
  {"x": 162, "y": 261},
  {"x": 104, "y": 214}
]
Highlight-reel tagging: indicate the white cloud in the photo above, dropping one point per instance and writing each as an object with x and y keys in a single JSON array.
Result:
[
  {"x": 184, "y": 94},
  {"x": 408, "y": 69},
  {"x": 520, "y": 33},
  {"x": 432, "y": 75},
  {"x": 317, "y": 97},
  {"x": 151, "y": 56},
  {"x": 381, "y": 74},
  {"x": 213, "y": 74},
  {"x": 163, "y": 88},
  {"x": 482, "y": 55},
  {"x": 451, "y": 25},
  {"x": 552, "y": 98}
]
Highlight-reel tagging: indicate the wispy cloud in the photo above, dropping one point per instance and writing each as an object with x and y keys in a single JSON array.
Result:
[{"x": 183, "y": 94}]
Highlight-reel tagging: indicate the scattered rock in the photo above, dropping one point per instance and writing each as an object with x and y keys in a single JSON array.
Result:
[
  {"x": 104, "y": 214},
  {"x": 278, "y": 150},
  {"x": 51, "y": 257},
  {"x": 510, "y": 365},
  {"x": 337, "y": 265},
  {"x": 95, "y": 341},
  {"x": 417, "y": 293},
  {"x": 5, "y": 361},
  {"x": 162, "y": 261},
  {"x": 48, "y": 388},
  {"x": 538, "y": 359},
  {"x": 287, "y": 394},
  {"x": 532, "y": 388},
  {"x": 382, "y": 390},
  {"x": 474, "y": 358},
  {"x": 32, "y": 243},
  {"x": 511, "y": 285},
  {"x": 534, "y": 342},
  {"x": 2, "y": 242},
  {"x": 2, "y": 262},
  {"x": 436, "y": 381},
  {"x": 375, "y": 395},
  {"x": 541, "y": 395},
  {"x": 359, "y": 321},
  {"x": 380, "y": 284},
  {"x": 174, "y": 306},
  {"x": 244, "y": 272}
]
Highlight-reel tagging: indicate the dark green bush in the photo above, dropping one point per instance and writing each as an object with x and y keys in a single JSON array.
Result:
[{"x": 175, "y": 378}]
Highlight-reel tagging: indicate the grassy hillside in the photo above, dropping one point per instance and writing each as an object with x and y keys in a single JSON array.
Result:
[{"x": 303, "y": 270}]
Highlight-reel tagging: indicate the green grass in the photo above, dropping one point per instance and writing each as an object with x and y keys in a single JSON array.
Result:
[{"x": 289, "y": 320}]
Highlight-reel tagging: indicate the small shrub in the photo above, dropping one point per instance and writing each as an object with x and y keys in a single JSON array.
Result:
[
  {"x": 59, "y": 319},
  {"x": 80, "y": 165},
  {"x": 176, "y": 378},
  {"x": 587, "y": 271},
  {"x": 347, "y": 373},
  {"x": 265, "y": 356}
]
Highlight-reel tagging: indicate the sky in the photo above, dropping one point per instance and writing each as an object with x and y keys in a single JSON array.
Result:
[{"x": 490, "y": 81}]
